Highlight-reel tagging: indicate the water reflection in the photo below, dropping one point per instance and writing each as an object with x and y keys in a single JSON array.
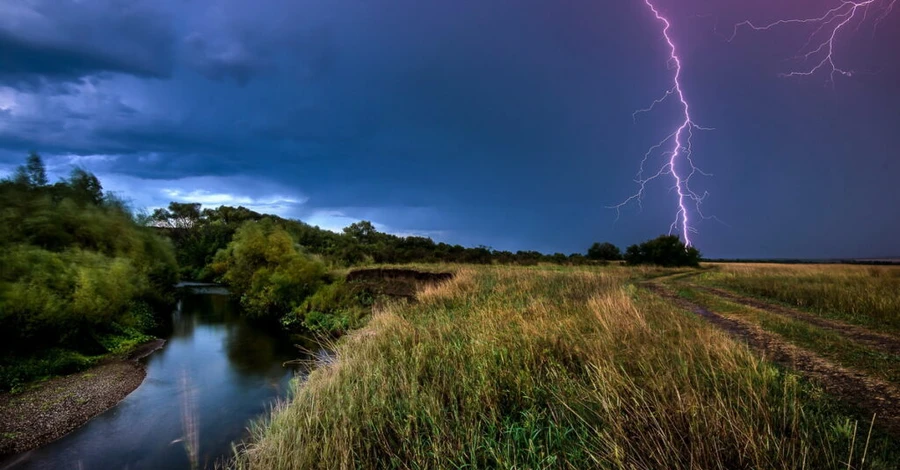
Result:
[{"x": 215, "y": 374}]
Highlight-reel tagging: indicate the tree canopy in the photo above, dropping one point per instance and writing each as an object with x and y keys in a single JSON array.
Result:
[
  {"x": 604, "y": 252},
  {"x": 665, "y": 250}
]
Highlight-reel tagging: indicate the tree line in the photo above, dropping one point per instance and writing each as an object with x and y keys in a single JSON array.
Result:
[{"x": 199, "y": 233}]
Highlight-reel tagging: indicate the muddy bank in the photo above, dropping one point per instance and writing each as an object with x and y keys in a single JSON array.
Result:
[
  {"x": 396, "y": 274},
  {"x": 394, "y": 282},
  {"x": 56, "y": 407}
]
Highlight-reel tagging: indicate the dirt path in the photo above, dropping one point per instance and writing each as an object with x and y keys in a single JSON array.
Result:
[
  {"x": 862, "y": 335},
  {"x": 54, "y": 408},
  {"x": 856, "y": 389}
]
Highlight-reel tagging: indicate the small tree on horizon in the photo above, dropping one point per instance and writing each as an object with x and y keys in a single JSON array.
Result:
[
  {"x": 604, "y": 252},
  {"x": 665, "y": 250},
  {"x": 33, "y": 173}
]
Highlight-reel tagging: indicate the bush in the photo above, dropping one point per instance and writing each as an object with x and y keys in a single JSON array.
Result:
[
  {"x": 665, "y": 250},
  {"x": 604, "y": 252},
  {"x": 334, "y": 308},
  {"x": 269, "y": 272},
  {"x": 76, "y": 272}
]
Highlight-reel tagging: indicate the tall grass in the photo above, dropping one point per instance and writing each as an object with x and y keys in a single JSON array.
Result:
[
  {"x": 826, "y": 343},
  {"x": 531, "y": 368},
  {"x": 864, "y": 295}
]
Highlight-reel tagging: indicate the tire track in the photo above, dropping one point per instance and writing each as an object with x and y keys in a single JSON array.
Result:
[
  {"x": 859, "y": 334},
  {"x": 870, "y": 395}
]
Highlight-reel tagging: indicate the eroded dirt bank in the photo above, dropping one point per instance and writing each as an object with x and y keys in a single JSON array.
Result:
[
  {"x": 395, "y": 282},
  {"x": 60, "y": 405}
]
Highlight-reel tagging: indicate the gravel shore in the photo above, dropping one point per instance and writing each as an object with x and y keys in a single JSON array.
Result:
[{"x": 54, "y": 408}]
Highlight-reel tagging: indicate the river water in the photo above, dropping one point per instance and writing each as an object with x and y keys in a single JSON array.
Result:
[{"x": 215, "y": 375}]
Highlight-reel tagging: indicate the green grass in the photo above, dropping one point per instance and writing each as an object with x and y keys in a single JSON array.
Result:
[
  {"x": 17, "y": 373},
  {"x": 826, "y": 343},
  {"x": 550, "y": 368},
  {"x": 863, "y": 295}
]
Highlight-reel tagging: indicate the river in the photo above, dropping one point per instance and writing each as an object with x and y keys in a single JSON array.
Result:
[{"x": 215, "y": 375}]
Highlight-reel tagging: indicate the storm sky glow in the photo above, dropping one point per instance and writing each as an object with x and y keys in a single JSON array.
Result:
[
  {"x": 818, "y": 52},
  {"x": 505, "y": 123}
]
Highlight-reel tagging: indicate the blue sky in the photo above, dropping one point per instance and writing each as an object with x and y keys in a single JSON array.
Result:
[{"x": 505, "y": 123}]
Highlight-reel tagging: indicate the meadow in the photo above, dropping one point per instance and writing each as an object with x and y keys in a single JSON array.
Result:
[
  {"x": 574, "y": 367},
  {"x": 864, "y": 295}
]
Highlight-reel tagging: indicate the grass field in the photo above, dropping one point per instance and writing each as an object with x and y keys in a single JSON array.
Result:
[
  {"x": 862, "y": 295},
  {"x": 550, "y": 367},
  {"x": 829, "y": 344}
]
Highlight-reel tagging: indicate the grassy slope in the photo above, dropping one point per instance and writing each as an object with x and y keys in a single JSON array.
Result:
[
  {"x": 863, "y": 295},
  {"x": 537, "y": 368}
]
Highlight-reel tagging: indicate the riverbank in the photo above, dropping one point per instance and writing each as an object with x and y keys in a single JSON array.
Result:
[{"x": 54, "y": 408}]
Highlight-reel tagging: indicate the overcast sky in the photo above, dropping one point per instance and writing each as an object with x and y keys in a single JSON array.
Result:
[{"x": 506, "y": 123}]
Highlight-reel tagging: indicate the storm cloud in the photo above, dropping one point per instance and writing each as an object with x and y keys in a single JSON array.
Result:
[{"x": 506, "y": 123}]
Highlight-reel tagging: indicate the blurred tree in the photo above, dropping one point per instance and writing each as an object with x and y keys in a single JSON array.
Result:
[
  {"x": 33, "y": 173},
  {"x": 604, "y": 252},
  {"x": 75, "y": 267}
]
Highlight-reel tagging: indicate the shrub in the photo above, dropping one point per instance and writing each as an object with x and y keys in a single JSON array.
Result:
[
  {"x": 334, "y": 308},
  {"x": 269, "y": 272},
  {"x": 604, "y": 252},
  {"x": 665, "y": 250}
]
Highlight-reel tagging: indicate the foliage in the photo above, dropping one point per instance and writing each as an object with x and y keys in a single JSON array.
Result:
[
  {"x": 32, "y": 173},
  {"x": 265, "y": 266},
  {"x": 198, "y": 234},
  {"x": 665, "y": 250},
  {"x": 74, "y": 268},
  {"x": 17, "y": 371},
  {"x": 604, "y": 252},
  {"x": 334, "y": 308}
]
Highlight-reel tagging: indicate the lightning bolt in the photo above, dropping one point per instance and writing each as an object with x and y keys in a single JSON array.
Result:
[
  {"x": 817, "y": 54},
  {"x": 676, "y": 148}
]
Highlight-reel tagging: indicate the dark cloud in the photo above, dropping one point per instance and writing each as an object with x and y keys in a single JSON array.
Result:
[
  {"x": 506, "y": 122},
  {"x": 64, "y": 40},
  {"x": 234, "y": 60}
]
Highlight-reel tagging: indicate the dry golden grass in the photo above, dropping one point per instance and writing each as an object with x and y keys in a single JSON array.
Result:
[
  {"x": 863, "y": 295},
  {"x": 552, "y": 368}
]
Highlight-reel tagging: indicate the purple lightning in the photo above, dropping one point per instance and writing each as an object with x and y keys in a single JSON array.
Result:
[
  {"x": 817, "y": 54},
  {"x": 680, "y": 147}
]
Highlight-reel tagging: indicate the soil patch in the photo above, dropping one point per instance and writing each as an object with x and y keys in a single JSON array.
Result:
[
  {"x": 397, "y": 274},
  {"x": 854, "y": 388},
  {"x": 395, "y": 282},
  {"x": 60, "y": 405}
]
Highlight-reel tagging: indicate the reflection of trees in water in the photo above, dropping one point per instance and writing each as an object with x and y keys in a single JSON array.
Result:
[
  {"x": 253, "y": 351},
  {"x": 195, "y": 309},
  {"x": 183, "y": 323}
]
